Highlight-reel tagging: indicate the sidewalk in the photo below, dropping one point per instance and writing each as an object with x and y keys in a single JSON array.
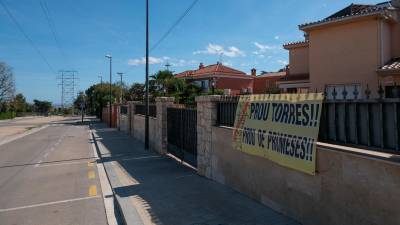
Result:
[{"x": 154, "y": 189}]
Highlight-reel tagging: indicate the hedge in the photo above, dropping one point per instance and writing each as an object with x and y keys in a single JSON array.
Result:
[{"x": 7, "y": 115}]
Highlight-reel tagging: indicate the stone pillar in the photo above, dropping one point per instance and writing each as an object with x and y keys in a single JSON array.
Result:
[
  {"x": 206, "y": 119},
  {"x": 132, "y": 110},
  {"x": 118, "y": 112},
  {"x": 162, "y": 103}
]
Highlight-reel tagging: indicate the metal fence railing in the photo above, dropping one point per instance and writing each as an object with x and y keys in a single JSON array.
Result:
[
  {"x": 226, "y": 111},
  {"x": 374, "y": 124},
  {"x": 182, "y": 133},
  {"x": 140, "y": 109},
  {"x": 123, "y": 109}
]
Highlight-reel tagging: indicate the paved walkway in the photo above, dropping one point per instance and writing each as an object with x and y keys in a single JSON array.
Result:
[{"x": 154, "y": 189}]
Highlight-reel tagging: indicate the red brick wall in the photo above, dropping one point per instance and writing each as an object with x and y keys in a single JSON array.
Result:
[
  {"x": 262, "y": 83},
  {"x": 234, "y": 84}
]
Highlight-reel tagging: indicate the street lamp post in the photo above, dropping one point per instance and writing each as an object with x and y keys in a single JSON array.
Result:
[
  {"x": 146, "y": 142},
  {"x": 100, "y": 112},
  {"x": 120, "y": 85},
  {"x": 110, "y": 110}
]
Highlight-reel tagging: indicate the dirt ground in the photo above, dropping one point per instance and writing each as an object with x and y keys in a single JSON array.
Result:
[{"x": 19, "y": 125}]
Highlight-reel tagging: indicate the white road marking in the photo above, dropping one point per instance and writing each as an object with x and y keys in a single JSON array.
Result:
[
  {"x": 60, "y": 164},
  {"x": 52, "y": 148},
  {"x": 38, "y": 163},
  {"x": 47, "y": 204}
]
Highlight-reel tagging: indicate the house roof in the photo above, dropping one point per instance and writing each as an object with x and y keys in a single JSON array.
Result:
[
  {"x": 296, "y": 44},
  {"x": 351, "y": 11},
  {"x": 394, "y": 64},
  {"x": 272, "y": 75},
  {"x": 217, "y": 69},
  {"x": 184, "y": 74}
]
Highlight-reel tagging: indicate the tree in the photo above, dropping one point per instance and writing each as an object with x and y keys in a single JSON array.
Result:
[
  {"x": 163, "y": 82},
  {"x": 98, "y": 96},
  {"x": 136, "y": 91},
  {"x": 7, "y": 84},
  {"x": 81, "y": 99},
  {"x": 20, "y": 104},
  {"x": 42, "y": 106}
]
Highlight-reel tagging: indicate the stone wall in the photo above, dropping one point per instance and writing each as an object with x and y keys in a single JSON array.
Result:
[
  {"x": 124, "y": 123},
  {"x": 135, "y": 124},
  {"x": 139, "y": 129},
  {"x": 347, "y": 189},
  {"x": 351, "y": 186}
]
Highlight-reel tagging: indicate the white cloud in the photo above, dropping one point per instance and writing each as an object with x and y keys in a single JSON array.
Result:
[
  {"x": 182, "y": 62},
  {"x": 261, "y": 49},
  {"x": 155, "y": 60},
  {"x": 141, "y": 61},
  {"x": 276, "y": 37},
  {"x": 213, "y": 49},
  {"x": 282, "y": 62}
]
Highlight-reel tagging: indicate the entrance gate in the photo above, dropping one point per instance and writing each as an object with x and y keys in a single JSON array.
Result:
[{"x": 182, "y": 134}]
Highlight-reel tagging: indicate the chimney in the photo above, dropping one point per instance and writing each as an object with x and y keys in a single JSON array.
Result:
[
  {"x": 253, "y": 72},
  {"x": 201, "y": 66},
  {"x": 395, "y": 3}
]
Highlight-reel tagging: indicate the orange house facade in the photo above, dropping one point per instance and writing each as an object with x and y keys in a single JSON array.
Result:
[{"x": 348, "y": 54}]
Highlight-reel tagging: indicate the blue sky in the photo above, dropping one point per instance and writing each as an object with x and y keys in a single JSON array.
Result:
[{"x": 249, "y": 34}]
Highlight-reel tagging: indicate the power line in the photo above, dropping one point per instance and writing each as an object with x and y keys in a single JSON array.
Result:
[
  {"x": 52, "y": 27},
  {"x": 163, "y": 37},
  {"x": 174, "y": 25},
  {"x": 26, "y": 35}
]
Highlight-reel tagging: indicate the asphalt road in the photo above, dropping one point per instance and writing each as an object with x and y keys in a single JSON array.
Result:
[{"x": 50, "y": 177}]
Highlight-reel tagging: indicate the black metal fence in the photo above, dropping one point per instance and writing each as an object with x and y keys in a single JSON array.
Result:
[
  {"x": 140, "y": 109},
  {"x": 226, "y": 111},
  {"x": 123, "y": 109},
  {"x": 371, "y": 123},
  {"x": 182, "y": 133},
  {"x": 374, "y": 124}
]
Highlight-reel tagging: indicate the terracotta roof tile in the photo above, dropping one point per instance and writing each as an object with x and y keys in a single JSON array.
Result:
[
  {"x": 218, "y": 69},
  {"x": 297, "y": 43},
  {"x": 394, "y": 64},
  {"x": 275, "y": 74},
  {"x": 215, "y": 69},
  {"x": 186, "y": 73},
  {"x": 352, "y": 10}
]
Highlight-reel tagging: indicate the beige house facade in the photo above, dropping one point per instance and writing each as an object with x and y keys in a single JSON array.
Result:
[{"x": 349, "y": 54}]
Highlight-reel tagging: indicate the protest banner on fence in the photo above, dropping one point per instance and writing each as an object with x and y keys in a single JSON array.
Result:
[{"x": 282, "y": 128}]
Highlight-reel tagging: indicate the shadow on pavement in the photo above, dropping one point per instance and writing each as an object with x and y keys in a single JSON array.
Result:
[{"x": 164, "y": 191}]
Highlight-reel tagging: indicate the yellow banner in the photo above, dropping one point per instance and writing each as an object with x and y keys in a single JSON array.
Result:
[{"x": 282, "y": 128}]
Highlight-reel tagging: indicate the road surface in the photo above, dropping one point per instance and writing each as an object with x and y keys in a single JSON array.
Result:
[{"x": 50, "y": 177}]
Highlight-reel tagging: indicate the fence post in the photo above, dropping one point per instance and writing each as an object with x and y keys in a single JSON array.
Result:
[
  {"x": 207, "y": 107},
  {"x": 132, "y": 118},
  {"x": 118, "y": 112},
  {"x": 162, "y": 103}
]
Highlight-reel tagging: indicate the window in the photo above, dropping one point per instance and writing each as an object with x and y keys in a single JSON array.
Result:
[
  {"x": 351, "y": 89},
  {"x": 203, "y": 84},
  {"x": 392, "y": 91}
]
